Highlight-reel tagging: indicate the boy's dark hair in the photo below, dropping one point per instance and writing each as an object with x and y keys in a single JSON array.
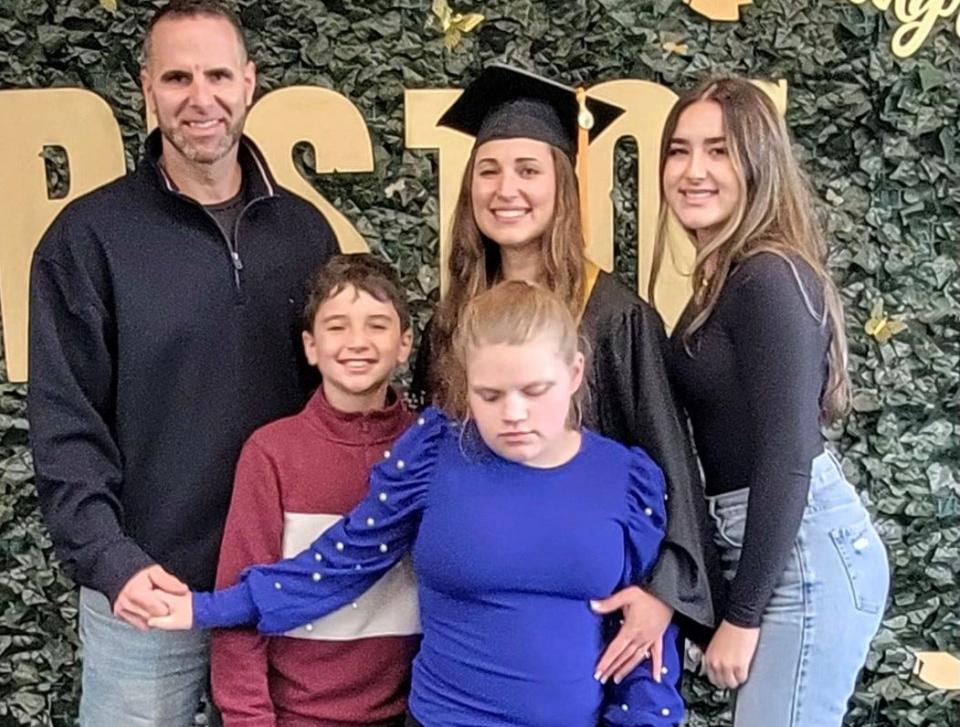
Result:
[
  {"x": 364, "y": 272},
  {"x": 192, "y": 9}
]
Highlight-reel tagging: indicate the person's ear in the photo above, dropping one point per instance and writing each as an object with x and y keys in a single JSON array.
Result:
[
  {"x": 577, "y": 369},
  {"x": 146, "y": 87},
  {"x": 406, "y": 346},
  {"x": 309, "y": 347},
  {"x": 249, "y": 81}
]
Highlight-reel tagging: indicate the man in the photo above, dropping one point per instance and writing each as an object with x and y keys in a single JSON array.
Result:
[{"x": 164, "y": 314}]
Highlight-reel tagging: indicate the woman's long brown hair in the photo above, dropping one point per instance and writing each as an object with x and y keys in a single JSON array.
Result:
[{"x": 775, "y": 213}]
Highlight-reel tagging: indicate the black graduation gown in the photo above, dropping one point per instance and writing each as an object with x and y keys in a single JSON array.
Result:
[{"x": 629, "y": 399}]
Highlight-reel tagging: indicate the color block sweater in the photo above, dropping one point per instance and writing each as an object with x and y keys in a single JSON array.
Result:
[{"x": 295, "y": 478}]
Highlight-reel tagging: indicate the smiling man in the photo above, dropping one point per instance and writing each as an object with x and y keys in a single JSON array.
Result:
[{"x": 164, "y": 311}]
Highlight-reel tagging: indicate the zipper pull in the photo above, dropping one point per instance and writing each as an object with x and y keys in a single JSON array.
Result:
[{"x": 237, "y": 263}]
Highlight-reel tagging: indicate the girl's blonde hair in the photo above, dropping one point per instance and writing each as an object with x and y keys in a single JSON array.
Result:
[
  {"x": 474, "y": 264},
  {"x": 774, "y": 213},
  {"x": 512, "y": 313}
]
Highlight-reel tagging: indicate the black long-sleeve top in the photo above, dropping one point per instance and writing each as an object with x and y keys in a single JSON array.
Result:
[
  {"x": 751, "y": 380},
  {"x": 629, "y": 399}
]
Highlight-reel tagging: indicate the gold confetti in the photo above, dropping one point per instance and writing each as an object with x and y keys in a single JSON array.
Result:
[
  {"x": 881, "y": 326},
  {"x": 110, "y": 5},
  {"x": 678, "y": 48},
  {"x": 454, "y": 25}
]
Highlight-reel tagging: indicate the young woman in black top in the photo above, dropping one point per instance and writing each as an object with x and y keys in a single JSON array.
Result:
[{"x": 758, "y": 359}]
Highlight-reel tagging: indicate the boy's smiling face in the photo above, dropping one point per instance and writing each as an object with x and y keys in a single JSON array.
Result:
[{"x": 356, "y": 343}]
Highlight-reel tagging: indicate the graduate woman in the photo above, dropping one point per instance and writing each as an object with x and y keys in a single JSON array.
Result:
[
  {"x": 518, "y": 218},
  {"x": 759, "y": 359},
  {"x": 515, "y": 517}
]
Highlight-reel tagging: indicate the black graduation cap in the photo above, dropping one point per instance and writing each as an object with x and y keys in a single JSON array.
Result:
[{"x": 506, "y": 103}]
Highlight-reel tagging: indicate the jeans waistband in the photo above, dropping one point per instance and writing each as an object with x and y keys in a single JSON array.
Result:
[{"x": 825, "y": 474}]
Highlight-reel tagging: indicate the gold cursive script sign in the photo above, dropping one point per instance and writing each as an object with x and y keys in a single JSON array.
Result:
[{"x": 916, "y": 18}]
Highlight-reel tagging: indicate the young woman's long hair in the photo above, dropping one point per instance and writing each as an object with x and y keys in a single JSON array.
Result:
[
  {"x": 510, "y": 313},
  {"x": 774, "y": 213},
  {"x": 475, "y": 265}
]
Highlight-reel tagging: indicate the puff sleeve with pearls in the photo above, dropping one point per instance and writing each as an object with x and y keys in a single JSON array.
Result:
[{"x": 345, "y": 560}]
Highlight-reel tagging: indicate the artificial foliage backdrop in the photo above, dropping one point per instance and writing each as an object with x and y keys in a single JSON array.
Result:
[{"x": 878, "y": 135}]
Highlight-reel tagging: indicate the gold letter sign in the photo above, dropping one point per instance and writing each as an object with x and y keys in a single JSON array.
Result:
[{"x": 82, "y": 124}]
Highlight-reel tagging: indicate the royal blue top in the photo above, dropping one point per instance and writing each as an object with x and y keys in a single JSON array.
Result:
[{"x": 507, "y": 558}]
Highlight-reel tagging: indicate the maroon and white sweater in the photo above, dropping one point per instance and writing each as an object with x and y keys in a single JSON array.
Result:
[{"x": 295, "y": 478}]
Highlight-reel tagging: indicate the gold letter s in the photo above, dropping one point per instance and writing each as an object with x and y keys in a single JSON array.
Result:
[{"x": 83, "y": 124}]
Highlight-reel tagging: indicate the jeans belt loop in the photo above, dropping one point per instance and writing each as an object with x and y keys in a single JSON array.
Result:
[{"x": 834, "y": 459}]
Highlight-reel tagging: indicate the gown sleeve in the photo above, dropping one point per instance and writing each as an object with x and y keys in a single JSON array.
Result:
[
  {"x": 345, "y": 560},
  {"x": 635, "y": 406},
  {"x": 639, "y": 700},
  {"x": 422, "y": 389}
]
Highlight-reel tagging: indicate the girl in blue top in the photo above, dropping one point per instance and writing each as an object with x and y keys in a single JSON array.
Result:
[{"x": 516, "y": 519}]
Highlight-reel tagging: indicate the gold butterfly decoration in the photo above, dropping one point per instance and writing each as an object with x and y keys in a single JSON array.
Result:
[
  {"x": 881, "y": 326},
  {"x": 454, "y": 25},
  {"x": 718, "y": 9}
]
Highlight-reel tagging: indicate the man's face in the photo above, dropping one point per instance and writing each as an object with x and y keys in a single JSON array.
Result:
[{"x": 199, "y": 84}]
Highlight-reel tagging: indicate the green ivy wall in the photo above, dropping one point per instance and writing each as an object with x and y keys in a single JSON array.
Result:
[{"x": 879, "y": 137}]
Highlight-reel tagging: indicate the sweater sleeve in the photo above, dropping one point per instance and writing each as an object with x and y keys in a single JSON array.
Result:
[
  {"x": 349, "y": 557},
  {"x": 640, "y": 700},
  {"x": 239, "y": 658},
  {"x": 79, "y": 470},
  {"x": 779, "y": 346},
  {"x": 646, "y": 516}
]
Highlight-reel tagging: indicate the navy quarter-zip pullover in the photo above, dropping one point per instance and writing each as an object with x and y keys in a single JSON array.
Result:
[{"x": 157, "y": 346}]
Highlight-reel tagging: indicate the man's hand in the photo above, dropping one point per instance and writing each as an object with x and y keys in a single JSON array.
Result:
[
  {"x": 645, "y": 619},
  {"x": 729, "y": 655},
  {"x": 140, "y": 597},
  {"x": 179, "y": 613}
]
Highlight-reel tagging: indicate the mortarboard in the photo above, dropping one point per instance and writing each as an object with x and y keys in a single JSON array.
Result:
[{"x": 506, "y": 103}]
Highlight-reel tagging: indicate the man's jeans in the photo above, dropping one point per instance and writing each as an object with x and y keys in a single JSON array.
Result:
[
  {"x": 134, "y": 678},
  {"x": 824, "y": 611}
]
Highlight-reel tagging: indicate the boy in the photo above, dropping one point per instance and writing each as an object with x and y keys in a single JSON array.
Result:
[{"x": 295, "y": 478}]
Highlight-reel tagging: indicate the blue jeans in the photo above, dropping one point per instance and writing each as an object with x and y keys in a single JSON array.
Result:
[
  {"x": 137, "y": 678},
  {"x": 824, "y": 611}
]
